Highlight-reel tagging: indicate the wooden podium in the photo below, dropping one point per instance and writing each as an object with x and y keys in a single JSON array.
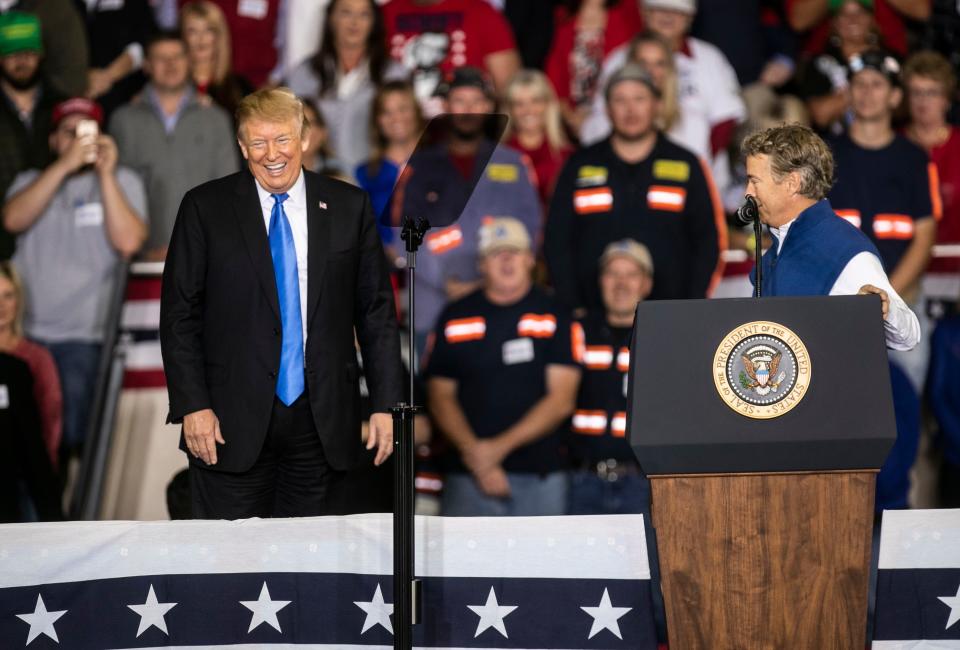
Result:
[{"x": 762, "y": 452}]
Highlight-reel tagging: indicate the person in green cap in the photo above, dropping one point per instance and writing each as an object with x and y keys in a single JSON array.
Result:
[{"x": 26, "y": 104}]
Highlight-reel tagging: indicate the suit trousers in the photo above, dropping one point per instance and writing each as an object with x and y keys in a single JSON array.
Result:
[{"x": 291, "y": 477}]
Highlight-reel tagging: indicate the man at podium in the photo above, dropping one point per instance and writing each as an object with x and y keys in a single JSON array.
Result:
[{"x": 789, "y": 172}]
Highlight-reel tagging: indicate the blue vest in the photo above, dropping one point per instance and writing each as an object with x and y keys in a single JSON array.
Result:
[{"x": 818, "y": 247}]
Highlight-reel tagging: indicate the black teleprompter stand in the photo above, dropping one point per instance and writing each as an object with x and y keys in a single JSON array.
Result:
[{"x": 407, "y": 596}]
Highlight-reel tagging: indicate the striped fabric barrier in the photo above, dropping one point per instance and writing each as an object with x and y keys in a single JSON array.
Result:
[
  {"x": 918, "y": 581},
  {"x": 512, "y": 582}
]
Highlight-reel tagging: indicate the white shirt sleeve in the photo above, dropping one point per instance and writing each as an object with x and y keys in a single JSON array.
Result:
[{"x": 901, "y": 327}]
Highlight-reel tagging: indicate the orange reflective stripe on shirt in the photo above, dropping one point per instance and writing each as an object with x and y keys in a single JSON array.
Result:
[
  {"x": 538, "y": 326},
  {"x": 851, "y": 216},
  {"x": 666, "y": 197},
  {"x": 933, "y": 174},
  {"x": 465, "y": 329},
  {"x": 597, "y": 357},
  {"x": 618, "y": 424},
  {"x": 892, "y": 226},
  {"x": 591, "y": 423}
]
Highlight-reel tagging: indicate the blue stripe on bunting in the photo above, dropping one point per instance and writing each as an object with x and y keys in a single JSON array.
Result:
[
  {"x": 909, "y": 605},
  {"x": 548, "y": 612}
]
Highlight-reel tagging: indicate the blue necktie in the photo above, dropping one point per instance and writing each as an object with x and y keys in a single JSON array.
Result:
[{"x": 290, "y": 380}]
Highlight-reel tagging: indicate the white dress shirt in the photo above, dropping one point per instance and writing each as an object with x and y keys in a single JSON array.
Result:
[
  {"x": 901, "y": 327},
  {"x": 295, "y": 208}
]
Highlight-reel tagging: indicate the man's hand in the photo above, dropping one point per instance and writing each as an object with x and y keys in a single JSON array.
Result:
[
  {"x": 493, "y": 482},
  {"x": 884, "y": 298},
  {"x": 106, "y": 156},
  {"x": 201, "y": 431},
  {"x": 78, "y": 153},
  {"x": 484, "y": 455},
  {"x": 99, "y": 82},
  {"x": 381, "y": 436}
]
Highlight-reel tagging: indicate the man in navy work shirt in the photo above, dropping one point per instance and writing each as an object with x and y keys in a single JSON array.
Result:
[
  {"x": 635, "y": 184},
  {"x": 606, "y": 478},
  {"x": 502, "y": 382},
  {"x": 887, "y": 186}
]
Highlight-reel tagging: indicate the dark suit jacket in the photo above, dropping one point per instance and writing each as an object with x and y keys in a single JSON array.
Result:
[
  {"x": 23, "y": 456},
  {"x": 220, "y": 328}
]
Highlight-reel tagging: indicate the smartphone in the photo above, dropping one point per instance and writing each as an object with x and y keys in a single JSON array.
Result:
[{"x": 89, "y": 130}]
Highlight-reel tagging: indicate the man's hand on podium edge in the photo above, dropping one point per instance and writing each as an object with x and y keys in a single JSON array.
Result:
[
  {"x": 201, "y": 432},
  {"x": 884, "y": 298},
  {"x": 381, "y": 436}
]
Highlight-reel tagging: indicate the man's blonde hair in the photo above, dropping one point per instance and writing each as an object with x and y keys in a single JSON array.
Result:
[
  {"x": 931, "y": 65},
  {"x": 270, "y": 105},
  {"x": 794, "y": 148}
]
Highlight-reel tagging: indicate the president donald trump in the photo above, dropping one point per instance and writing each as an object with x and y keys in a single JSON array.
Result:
[{"x": 270, "y": 271}]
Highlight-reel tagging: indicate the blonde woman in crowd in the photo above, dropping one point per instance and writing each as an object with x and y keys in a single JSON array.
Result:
[
  {"x": 536, "y": 127},
  {"x": 204, "y": 28},
  {"x": 46, "y": 380}
]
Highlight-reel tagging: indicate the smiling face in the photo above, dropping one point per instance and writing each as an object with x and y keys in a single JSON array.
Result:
[
  {"x": 398, "y": 117},
  {"x": 623, "y": 284},
  {"x": 528, "y": 109},
  {"x": 273, "y": 151},
  {"x": 201, "y": 38}
]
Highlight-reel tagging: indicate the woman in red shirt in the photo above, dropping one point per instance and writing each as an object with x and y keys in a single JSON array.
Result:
[
  {"x": 585, "y": 32},
  {"x": 46, "y": 381},
  {"x": 930, "y": 84},
  {"x": 536, "y": 128}
]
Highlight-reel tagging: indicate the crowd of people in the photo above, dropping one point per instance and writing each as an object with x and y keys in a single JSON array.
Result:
[{"x": 611, "y": 184}]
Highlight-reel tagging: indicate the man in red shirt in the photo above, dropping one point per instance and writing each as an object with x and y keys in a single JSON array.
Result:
[{"x": 431, "y": 38}]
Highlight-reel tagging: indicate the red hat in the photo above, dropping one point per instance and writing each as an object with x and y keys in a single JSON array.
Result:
[{"x": 78, "y": 106}]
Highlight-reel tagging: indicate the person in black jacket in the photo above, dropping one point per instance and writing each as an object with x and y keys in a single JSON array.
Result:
[
  {"x": 269, "y": 273},
  {"x": 639, "y": 185},
  {"x": 23, "y": 459}
]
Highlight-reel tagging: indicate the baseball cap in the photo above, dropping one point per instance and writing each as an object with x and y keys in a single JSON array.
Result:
[
  {"x": 499, "y": 233},
  {"x": 19, "y": 32},
  {"x": 632, "y": 250},
  {"x": 466, "y": 77},
  {"x": 878, "y": 60},
  {"x": 77, "y": 106},
  {"x": 683, "y": 6},
  {"x": 630, "y": 72},
  {"x": 835, "y": 5}
]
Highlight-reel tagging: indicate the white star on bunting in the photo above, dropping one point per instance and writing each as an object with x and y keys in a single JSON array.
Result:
[
  {"x": 491, "y": 614},
  {"x": 41, "y": 621},
  {"x": 151, "y": 613},
  {"x": 378, "y": 612},
  {"x": 953, "y": 602},
  {"x": 606, "y": 616},
  {"x": 264, "y": 610}
]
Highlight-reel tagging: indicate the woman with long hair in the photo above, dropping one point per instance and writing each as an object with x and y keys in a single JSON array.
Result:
[
  {"x": 536, "y": 127},
  {"x": 204, "y": 29},
  {"x": 395, "y": 125},
  {"x": 344, "y": 73},
  {"x": 46, "y": 380}
]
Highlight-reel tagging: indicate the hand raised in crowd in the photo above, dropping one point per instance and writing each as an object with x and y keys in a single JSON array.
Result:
[
  {"x": 99, "y": 82},
  {"x": 201, "y": 432},
  {"x": 884, "y": 298},
  {"x": 494, "y": 482},
  {"x": 381, "y": 436},
  {"x": 106, "y": 155}
]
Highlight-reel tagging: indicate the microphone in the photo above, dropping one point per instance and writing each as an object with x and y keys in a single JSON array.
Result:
[{"x": 748, "y": 213}]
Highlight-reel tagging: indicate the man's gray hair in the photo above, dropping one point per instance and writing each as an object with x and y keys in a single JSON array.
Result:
[{"x": 794, "y": 148}]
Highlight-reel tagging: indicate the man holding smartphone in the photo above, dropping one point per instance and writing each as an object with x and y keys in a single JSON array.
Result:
[{"x": 76, "y": 220}]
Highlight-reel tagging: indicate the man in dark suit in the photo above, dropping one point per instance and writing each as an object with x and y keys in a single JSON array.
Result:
[{"x": 269, "y": 273}]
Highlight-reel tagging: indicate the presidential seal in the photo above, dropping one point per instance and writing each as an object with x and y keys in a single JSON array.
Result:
[{"x": 761, "y": 370}]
